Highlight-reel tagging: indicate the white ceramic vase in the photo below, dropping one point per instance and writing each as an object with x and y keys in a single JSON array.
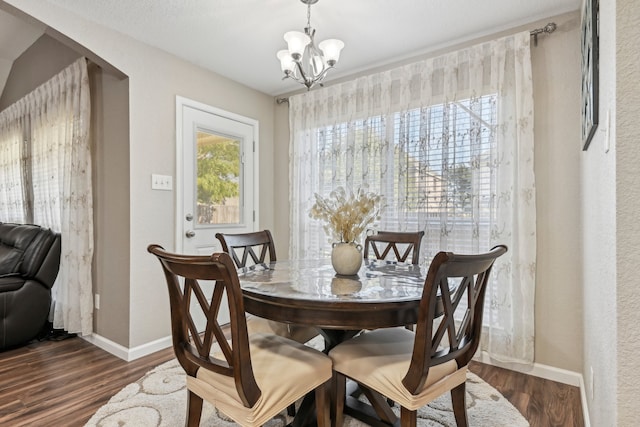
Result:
[{"x": 346, "y": 258}]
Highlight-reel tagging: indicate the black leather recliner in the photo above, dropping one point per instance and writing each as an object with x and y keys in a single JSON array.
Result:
[{"x": 29, "y": 264}]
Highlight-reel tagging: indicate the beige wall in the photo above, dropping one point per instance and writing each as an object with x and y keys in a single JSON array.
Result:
[
  {"x": 611, "y": 204},
  {"x": 627, "y": 94},
  {"x": 155, "y": 79},
  {"x": 599, "y": 231},
  {"x": 558, "y": 304},
  {"x": 556, "y": 77},
  {"x": 281, "y": 180},
  {"x": 110, "y": 137}
]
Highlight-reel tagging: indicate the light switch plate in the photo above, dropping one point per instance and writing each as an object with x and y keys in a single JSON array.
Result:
[{"x": 161, "y": 182}]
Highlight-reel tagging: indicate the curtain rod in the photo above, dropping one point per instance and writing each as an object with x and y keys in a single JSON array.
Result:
[{"x": 547, "y": 29}]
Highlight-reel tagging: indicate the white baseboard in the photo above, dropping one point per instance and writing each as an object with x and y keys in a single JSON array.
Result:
[
  {"x": 125, "y": 353},
  {"x": 537, "y": 370},
  {"x": 547, "y": 372},
  {"x": 585, "y": 405}
]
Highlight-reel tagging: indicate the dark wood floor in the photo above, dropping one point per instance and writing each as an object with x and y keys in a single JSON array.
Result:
[
  {"x": 62, "y": 383},
  {"x": 543, "y": 403}
]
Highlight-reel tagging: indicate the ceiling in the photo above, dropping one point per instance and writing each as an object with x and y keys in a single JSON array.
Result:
[{"x": 239, "y": 38}]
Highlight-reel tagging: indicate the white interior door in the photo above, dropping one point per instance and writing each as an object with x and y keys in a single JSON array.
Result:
[{"x": 218, "y": 172}]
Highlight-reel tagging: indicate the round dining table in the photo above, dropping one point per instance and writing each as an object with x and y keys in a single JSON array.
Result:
[{"x": 383, "y": 294}]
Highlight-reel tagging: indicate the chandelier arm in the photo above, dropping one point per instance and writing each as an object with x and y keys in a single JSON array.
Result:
[
  {"x": 292, "y": 76},
  {"x": 320, "y": 76},
  {"x": 303, "y": 76},
  {"x": 308, "y": 81}
]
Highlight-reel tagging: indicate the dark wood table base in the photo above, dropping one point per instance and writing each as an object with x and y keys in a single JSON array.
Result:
[{"x": 378, "y": 413}]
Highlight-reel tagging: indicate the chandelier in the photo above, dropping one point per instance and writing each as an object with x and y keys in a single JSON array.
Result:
[{"x": 302, "y": 60}]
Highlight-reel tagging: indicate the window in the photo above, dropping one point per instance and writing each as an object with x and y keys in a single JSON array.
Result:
[
  {"x": 434, "y": 170},
  {"x": 218, "y": 178},
  {"x": 448, "y": 141}
]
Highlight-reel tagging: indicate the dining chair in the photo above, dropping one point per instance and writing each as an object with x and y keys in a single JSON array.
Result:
[
  {"x": 241, "y": 246},
  {"x": 398, "y": 244},
  {"x": 248, "y": 249},
  {"x": 249, "y": 378},
  {"x": 414, "y": 368}
]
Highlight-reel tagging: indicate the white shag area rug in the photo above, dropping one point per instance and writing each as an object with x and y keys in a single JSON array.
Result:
[{"x": 159, "y": 399}]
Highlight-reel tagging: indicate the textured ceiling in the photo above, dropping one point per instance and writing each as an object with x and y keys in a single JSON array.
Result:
[{"x": 239, "y": 39}]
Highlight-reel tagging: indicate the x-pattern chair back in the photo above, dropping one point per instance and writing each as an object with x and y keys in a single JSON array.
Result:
[
  {"x": 450, "y": 318},
  {"x": 192, "y": 348},
  {"x": 402, "y": 244},
  {"x": 257, "y": 246}
]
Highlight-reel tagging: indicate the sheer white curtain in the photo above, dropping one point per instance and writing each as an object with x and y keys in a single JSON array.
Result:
[
  {"x": 12, "y": 152},
  {"x": 448, "y": 142},
  {"x": 57, "y": 159}
]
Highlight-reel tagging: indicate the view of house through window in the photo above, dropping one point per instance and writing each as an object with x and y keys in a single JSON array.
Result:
[{"x": 218, "y": 164}]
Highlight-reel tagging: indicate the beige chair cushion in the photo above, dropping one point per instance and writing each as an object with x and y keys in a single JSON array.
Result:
[
  {"x": 298, "y": 333},
  {"x": 284, "y": 370},
  {"x": 380, "y": 359}
]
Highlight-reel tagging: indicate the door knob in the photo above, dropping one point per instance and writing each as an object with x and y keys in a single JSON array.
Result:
[{"x": 190, "y": 233}]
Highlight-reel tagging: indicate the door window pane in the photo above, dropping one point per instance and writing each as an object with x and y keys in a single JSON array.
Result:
[{"x": 218, "y": 174}]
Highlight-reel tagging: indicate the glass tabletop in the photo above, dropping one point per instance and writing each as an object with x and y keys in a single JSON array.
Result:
[{"x": 315, "y": 280}]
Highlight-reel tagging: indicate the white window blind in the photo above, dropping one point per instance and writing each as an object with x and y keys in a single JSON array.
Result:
[{"x": 431, "y": 164}]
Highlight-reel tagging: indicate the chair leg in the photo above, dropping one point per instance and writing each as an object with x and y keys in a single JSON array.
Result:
[
  {"x": 194, "y": 410},
  {"x": 380, "y": 405},
  {"x": 338, "y": 397},
  {"x": 323, "y": 398},
  {"x": 458, "y": 398},
  {"x": 408, "y": 418}
]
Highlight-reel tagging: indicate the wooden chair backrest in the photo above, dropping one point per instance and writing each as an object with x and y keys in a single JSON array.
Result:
[
  {"x": 402, "y": 244},
  {"x": 183, "y": 274},
  {"x": 247, "y": 244},
  {"x": 439, "y": 336}
]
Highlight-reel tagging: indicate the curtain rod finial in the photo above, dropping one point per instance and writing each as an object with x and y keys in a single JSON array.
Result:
[{"x": 547, "y": 29}]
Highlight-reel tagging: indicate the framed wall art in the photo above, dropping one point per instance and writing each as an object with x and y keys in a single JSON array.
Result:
[{"x": 589, "y": 71}]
